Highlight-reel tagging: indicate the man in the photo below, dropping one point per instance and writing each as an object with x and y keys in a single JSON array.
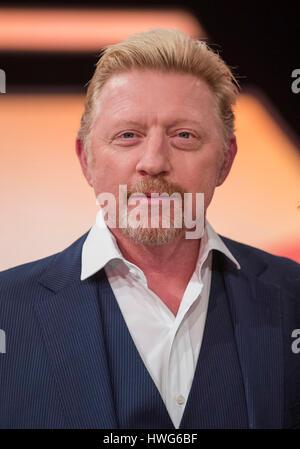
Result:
[{"x": 136, "y": 325}]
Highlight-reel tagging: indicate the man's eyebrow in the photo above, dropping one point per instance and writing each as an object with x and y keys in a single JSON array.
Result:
[
  {"x": 125, "y": 122},
  {"x": 185, "y": 120}
]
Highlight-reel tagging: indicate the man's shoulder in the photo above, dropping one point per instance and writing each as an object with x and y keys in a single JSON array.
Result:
[{"x": 250, "y": 257}]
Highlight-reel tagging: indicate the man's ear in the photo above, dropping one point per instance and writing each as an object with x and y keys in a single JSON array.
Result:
[
  {"x": 228, "y": 161},
  {"x": 82, "y": 156}
]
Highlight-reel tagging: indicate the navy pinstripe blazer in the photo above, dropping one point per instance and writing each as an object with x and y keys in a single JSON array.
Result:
[{"x": 54, "y": 372}]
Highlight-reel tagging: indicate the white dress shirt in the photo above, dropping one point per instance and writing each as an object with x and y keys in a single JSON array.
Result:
[{"x": 169, "y": 346}]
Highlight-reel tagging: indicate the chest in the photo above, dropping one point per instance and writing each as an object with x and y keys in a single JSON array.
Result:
[{"x": 169, "y": 291}]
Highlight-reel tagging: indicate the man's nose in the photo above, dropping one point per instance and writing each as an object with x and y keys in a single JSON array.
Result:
[{"x": 155, "y": 157}]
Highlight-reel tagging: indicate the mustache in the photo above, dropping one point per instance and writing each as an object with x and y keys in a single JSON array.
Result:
[{"x": 157, "y": 185}]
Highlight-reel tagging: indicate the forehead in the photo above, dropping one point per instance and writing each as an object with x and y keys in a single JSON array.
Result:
[{"x": 143, "y": 91}]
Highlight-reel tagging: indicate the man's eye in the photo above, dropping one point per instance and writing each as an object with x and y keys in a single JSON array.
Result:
[
  {"x": 184, "y": 134},
  {"x": 127, "y": 135}
]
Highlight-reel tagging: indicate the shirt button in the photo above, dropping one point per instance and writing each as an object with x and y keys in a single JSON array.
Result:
[{"x": 180, "y": 399}]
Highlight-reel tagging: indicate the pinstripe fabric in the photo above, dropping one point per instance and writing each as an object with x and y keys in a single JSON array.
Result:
[
  {"x": 73, "y": 337},
  {"x": 217, "y": 399},
  {"x": 260, "y": 343},
  {"x": 24, "y": 368},
  {"x": 24, "y": 371},
  {"x": 57, "y": 339},
  {"x": 56, "y": 373},
  {"x": 137, "y": 401}
]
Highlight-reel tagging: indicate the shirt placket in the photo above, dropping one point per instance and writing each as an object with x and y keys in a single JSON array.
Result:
[{"x": 180, "y": 367}]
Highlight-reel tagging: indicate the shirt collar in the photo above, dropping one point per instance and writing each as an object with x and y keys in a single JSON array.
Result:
[
  {"x": 100, "y": 247},
  {"x": 212, "y": 241}
]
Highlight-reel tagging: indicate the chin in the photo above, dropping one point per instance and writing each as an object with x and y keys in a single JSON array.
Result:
[{"x": 152, "y": 236}]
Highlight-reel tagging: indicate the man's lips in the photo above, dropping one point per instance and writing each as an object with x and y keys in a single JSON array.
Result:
[{"x": 152, "y": 197}]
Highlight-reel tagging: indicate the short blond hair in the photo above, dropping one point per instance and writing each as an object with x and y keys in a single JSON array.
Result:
[{"x": 168, "y": 51}]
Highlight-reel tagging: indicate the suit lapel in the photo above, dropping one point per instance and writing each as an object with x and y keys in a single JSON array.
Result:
[
  {"x": 71, "y": 325},
  {"x": 256, "y": 312}
]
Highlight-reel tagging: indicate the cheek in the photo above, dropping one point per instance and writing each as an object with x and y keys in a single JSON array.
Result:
[
  {"x": 110, "y": 172},
  {"x": 102, "y": 175},
  {"x": 201, "y": 176},
  {"x": 202, "y": 173}
]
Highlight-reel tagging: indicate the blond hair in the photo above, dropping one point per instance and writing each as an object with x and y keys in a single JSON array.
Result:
[{"x": 163, "y": 50}]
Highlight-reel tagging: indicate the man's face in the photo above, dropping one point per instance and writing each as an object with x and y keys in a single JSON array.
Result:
[{"x": 156, "y": 131}]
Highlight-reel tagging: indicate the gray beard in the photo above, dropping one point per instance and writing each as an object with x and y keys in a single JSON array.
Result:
[{"x": 152, "y": 236}]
